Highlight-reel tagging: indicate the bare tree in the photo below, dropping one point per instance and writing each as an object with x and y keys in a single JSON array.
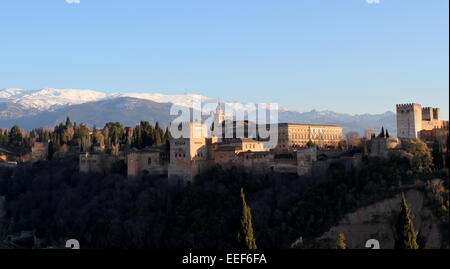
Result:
[{"x": 353, "y": 139}]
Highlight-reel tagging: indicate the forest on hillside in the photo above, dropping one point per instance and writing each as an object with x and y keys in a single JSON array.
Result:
[{"x": 109, "y": 211}]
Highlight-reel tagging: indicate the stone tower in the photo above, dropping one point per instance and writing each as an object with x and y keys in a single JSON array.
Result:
[
  {"x": 219, "y": 116},
  {"x": 188, "y": 155},
  {"x": 219, "y": 119},
  {"x": 409, "y": 120}
]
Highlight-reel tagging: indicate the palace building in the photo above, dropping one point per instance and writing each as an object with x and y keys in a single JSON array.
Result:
[
  {"x": 292, "y": 136},
  {"x": 195, "y": 149}
]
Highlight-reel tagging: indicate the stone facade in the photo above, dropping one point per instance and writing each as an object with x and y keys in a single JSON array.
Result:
[
  {"x": 440, "y": 135},
  {"x": 292, "y": 136},
  {"x": 381, "y": 146},
  {"x": 189, "y": 155},
  {"x": 148, "y": 161},
  {"x": 305, "y": 160},
  {"x": 413, "y": 118},
  {"x": 98, "y": 163}
]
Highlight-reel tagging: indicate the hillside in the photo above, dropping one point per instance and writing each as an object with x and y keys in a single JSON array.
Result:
[{"x": 377, "y": 221}]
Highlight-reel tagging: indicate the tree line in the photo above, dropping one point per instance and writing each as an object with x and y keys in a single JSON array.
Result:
[{"x": 112, "y": 137}]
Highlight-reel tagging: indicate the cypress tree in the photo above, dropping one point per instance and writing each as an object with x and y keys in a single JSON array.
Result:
[
  {"x": 406, "y": 235},
  {"x": 245, "y": 237},
  {"x": 365, "y": 151},
  {"x": 382, "y": 135},
  {"x": 341, "y": 241},
  {"x": 387, "y": 133}
]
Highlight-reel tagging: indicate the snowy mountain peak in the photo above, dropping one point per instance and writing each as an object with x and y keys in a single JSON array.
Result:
[{"x": 49, "y": 98}]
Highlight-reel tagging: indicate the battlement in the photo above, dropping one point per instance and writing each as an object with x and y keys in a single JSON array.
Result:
[
  {"x": 413, "y": 118},
  {"x": 431, "y": 113},
  {"x": 427, "y": 113},
  {"x": 407, "y": 107},
  {"x": 437, "y": 113}
]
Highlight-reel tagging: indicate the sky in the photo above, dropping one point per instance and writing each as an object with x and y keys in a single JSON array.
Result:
[{"x": 349, "y": 56}]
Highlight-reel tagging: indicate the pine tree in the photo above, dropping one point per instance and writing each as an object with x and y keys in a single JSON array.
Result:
[
  {"x": 246, "y": 239},
  {"x": 68, "y": 122},
  {"x": 341, "y": 241},
  {"x": 406, "y": 235},
  {"x": 15, "y": 136}
]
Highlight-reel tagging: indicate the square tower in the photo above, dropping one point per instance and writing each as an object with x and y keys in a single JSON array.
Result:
[
  {"x": 188, "y": 154},
  {"x": 409, "y": 120}
]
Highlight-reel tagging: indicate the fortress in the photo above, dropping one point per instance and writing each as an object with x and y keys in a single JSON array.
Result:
[
  {"x": 417, "y": 122},
  {"x": 200, "y": 148}
]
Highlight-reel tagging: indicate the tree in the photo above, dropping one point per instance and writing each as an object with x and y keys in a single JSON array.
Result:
[
  {"x": 246, "y": 239},
  {"x": 341, "y": 241},
  {"x": 68, "y": 122},
  {"x": 365, "y": 151},
  {"x": 353, "y": 139},
  {"x": 418, "y": 154},
  {"x": 438, "y": 155},
  {"x": 51, "y": 151},
  {"x": 15, "y": 135},
  {"x": 382, "y": 134},
  {"x": 406, "y": 235},
  {"x": 387, "y": 133},
  {"x": 310, "y": 144}
]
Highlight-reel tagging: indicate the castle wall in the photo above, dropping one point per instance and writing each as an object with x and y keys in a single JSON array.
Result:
[
  {"x": 96, "y": 163},
  {"x": 256, "y": 162},
  {"x": 412, "y": 119},
  {"x": 143, "y": 163}
]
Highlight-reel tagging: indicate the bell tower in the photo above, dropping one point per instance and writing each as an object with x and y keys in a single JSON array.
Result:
[
  {"x": 219, "y": 116},
  {"x": 219, "y": 119}
]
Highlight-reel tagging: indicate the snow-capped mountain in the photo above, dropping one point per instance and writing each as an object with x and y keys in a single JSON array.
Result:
[
  {"x": 47, "y": 107},
  {"x": 51, "y": 99}
]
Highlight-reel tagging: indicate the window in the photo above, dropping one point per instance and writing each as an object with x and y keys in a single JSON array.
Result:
[{"x": 149, "y": 161}]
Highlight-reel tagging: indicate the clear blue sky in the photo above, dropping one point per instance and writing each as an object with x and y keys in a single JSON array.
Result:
[{"x": 341, "y": 55}]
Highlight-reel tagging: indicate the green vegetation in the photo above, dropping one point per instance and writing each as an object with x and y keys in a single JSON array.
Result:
[
  {"x": 246, "y": 239},
  {"x": 406, "y": 235},
  {"x": 78, "y": 137},
  {"x": 418, "y": 154}
]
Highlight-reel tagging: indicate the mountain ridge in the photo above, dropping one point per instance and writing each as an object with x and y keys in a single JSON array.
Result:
[{"x": 45, "y": 107}]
